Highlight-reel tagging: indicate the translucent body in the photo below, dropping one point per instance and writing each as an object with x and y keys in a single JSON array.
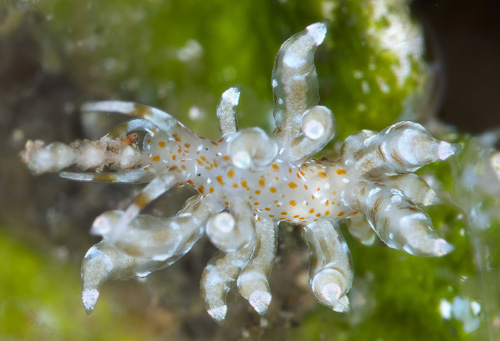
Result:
[{"x": 248, "y": 182}]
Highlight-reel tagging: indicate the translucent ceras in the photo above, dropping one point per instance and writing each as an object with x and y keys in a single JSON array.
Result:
[{"x": 248, "y": 182}]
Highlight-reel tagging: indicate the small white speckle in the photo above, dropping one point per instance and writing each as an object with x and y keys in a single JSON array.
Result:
[
  {"x": 241, "y": 159},
  {"x": 280, "y": 100},
  {"x": 365, "y": 87},
  {"x": 260, "y": 300},
  {"x": 396, "y": 199},
  {"x": 196, "y": 113},
  {"x": 89, "y": 298},
  {"x": 218, "y": 313},
  {"x": 314, "y": 129},
  {"x": 445, "y": 150},
  {"x": 232, "y": 96},
  {"x": 293, "y": 60},
  {"x": 317, "y": 31},
  {"x": 445, "y": 309},
  {"x": 373, "y": 192},
  {"x": 275, "y": 83}
]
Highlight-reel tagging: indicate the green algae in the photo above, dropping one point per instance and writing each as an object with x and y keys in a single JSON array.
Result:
[{"x": 40, "y": 300}]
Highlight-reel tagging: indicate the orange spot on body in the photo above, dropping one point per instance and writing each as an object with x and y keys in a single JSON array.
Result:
[
  {"x": 340, "y": 214},
  {"x": 256, "y": 203},
  {"x": 201, "y": 189},
  {"x": 327, "y": 212},
  {"x": 257, "y": 192},
  {"x": 271, "y": 216},
  {"x": 267, "y": 209},
  {"x": 235, "y": 185},
  {"x": 262, "y": 181},
  {"x": 290, "y": 170},
  {"x": 211, "y": 189},
  {"x": 162, "y": 144},
  {"x": 322, "y": 175},
  {"x": 275, "y": 167},
  {"x": 199, "y": 162},
  {"x": 230, "y": 173},
  {"x": 190, "y": 182},
  {"x": 219, "y": 180},
  {"x": 244, "y": 185},
  {"x": 311, "y": 210},
  {"x": 156, "y": 158},
  {"x": 341, "y": 172},
  {"x": 296, "y": 216},
  {"x": 176, "y": 138},
  {"x": 225, "y": 158},
  {"x": 187, "y": 145},
  {"x": 292, "y": 185},
  {"x": 292, "y": 202},
  {"x": 273, "y": 189},
  {"x": 215, "y": 164},
  {"x": 174, "y": 157},
  {"x": 318, "y": 215},
  {"x": 214, "y": 143}
]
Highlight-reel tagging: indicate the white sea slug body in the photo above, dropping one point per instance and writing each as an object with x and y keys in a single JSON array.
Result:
[{"x": 248, "y": 182}]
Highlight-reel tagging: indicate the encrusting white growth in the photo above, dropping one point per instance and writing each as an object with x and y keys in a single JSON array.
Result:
[{"x": 248, "y": 182}]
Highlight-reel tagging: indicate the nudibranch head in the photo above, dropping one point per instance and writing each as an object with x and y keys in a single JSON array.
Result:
[{"x": 248, "y": 182}]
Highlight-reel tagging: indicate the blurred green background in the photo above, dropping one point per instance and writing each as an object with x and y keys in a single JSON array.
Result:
[{"x": 180, "y": 56}]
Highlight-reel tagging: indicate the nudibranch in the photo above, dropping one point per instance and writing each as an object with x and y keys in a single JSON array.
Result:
[{"x": 248, "y": 182}]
